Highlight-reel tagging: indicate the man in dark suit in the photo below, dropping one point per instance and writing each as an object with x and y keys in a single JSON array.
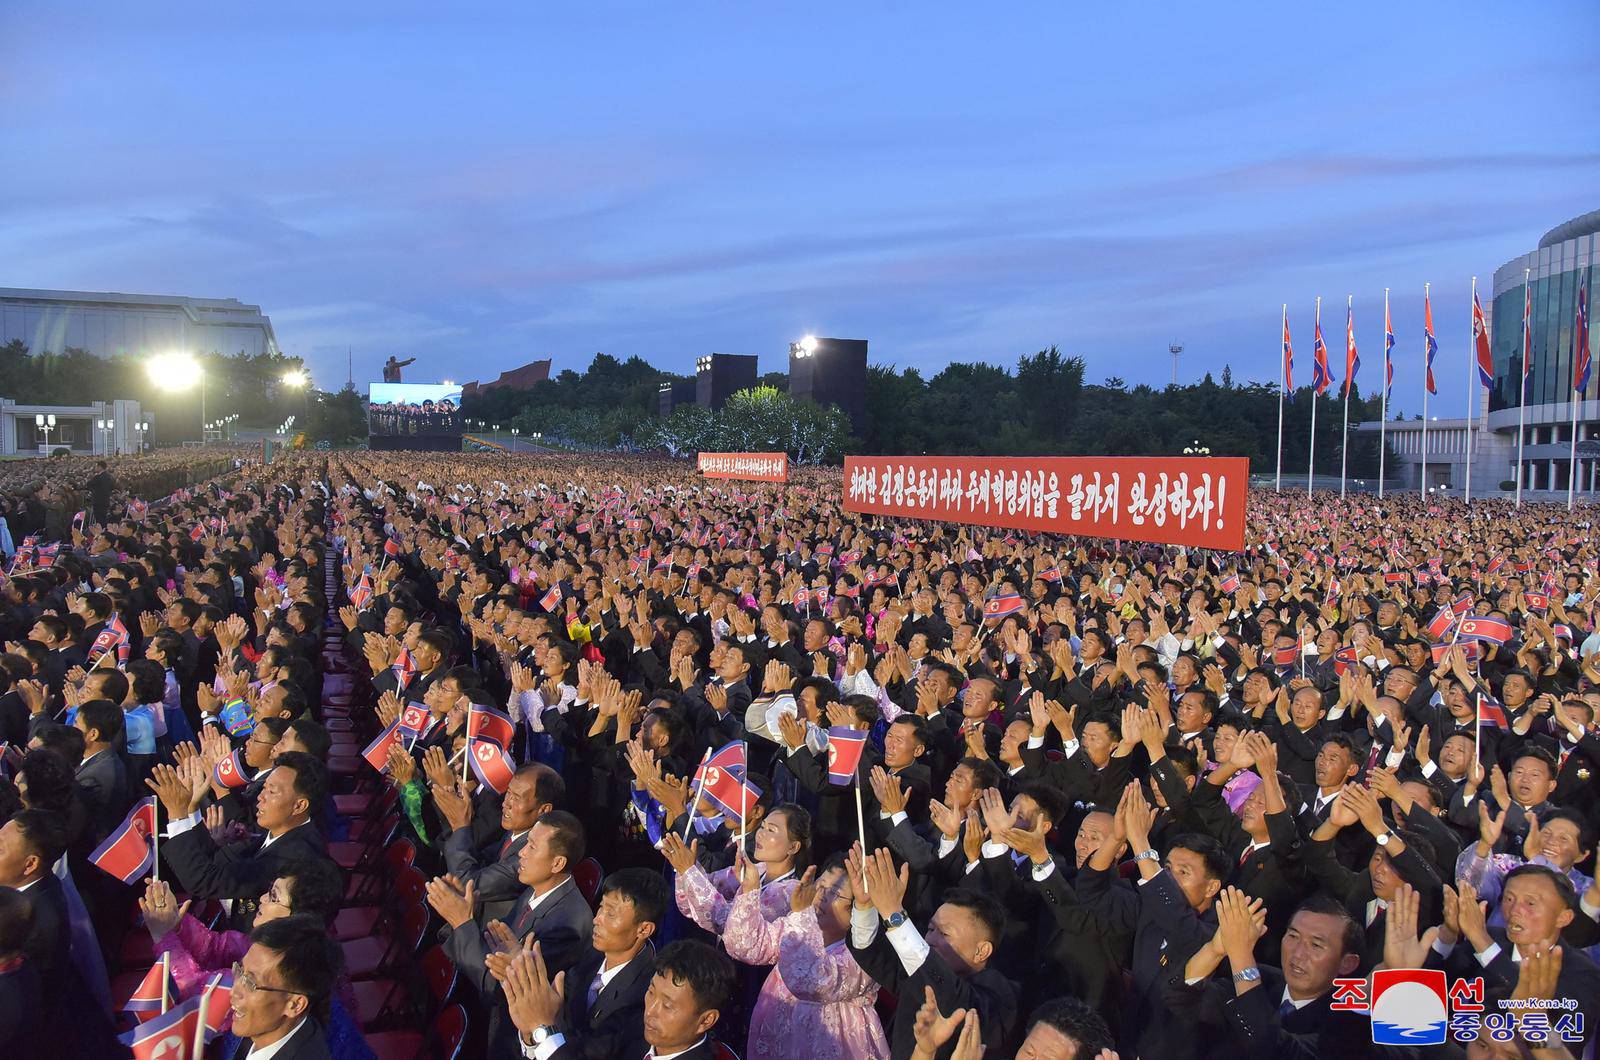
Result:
[
  {"x": 290, "y": 800},
  {"x": 602, "y": 1006},
  {"x": 1538, "y": 903},
  {"x": 283, "y": 983},
  {"x": 101, "y": 776},
  {"x": 21, "y": 1000},
  {"x": 954, "y": 959},
  {"x": 552, "y": 911},
  {"x": 30, "y": 844},
  {"x": 534, "y": 791},
  {"x": 686, "y": 988},
  {"x": 1266, "y": 1011}
]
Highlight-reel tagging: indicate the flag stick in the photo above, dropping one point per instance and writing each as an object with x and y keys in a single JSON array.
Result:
[
  {"x": 166, "y": 980},
  {"x": 1522, "y": 379},
  {"x": 466, "y": 754},
  {"x": 1477, "y": 732},
  {"x": 1283, "y": 383},
  {"x": 1344, "y": 438},
  {"x": 1422, "y": 481},
  {"x": 744, "y": 810},
  {"x": 861, "y": 823},
  {"x": 200, "y": 1025},
  {"x": 1472, "y": 381},
  {"x": 694, "y": 807},
  {"x": 1383, "y": 416},
  {"x": 1311, "y": 459},
  {"x": 155, "y": 842}
]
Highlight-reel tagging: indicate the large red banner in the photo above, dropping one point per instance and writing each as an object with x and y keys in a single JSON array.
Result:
[
  {"x": 1196, "y": 501},
  {"x": 762, "y": 467}
]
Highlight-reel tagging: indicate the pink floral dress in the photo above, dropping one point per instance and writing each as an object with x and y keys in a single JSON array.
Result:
[
  {"x": 704, "y": 898},
  {"x": 817, "y": 1004}
]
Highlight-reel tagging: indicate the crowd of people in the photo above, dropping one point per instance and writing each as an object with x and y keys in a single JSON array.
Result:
[
  {"x": 694, "y": 769},
  {"x": 414, "y": 417}
]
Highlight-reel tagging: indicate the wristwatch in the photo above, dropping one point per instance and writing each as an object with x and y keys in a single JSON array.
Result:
[
  {"x": 896, "y": 919},
  {"x": 1148, "y": 855},
  {"x": 1251, "y": 974},
  {"x": 1383, "y": 840},
  {"x": 544, "y": 1034}
]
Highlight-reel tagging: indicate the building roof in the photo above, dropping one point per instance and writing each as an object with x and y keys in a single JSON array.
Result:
[
  {"x": 1586, "y": 225},
  {"x": 211, "y": 312}
]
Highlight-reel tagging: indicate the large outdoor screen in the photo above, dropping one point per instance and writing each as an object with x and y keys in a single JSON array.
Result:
[{"x": 413, "y": 409}]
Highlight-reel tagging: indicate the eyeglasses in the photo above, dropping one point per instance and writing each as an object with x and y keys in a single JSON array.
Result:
[{"x": 245, "y": 983}]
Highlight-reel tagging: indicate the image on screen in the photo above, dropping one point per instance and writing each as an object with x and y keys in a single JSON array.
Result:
[{"x": 414, "y": 409}]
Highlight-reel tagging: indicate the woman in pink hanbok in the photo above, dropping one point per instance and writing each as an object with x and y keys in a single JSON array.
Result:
[
  {"x": 817, "y": 1004},
  {"x": 783, "y": 838}
]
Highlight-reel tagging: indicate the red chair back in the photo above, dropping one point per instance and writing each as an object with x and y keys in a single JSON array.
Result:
[
  {"x": 440, "y": 974},
  {"x": 411, "y": 886},
  {"x": 450, "y": 1030},
  {"x": 587, "y": 876},
  {"x": 723, "y": 1051},
  {"x": 413, "y": 925},
  {"x": 400, "y": 854}
]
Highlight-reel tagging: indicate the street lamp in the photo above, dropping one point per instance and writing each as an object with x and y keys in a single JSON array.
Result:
[
  {"x": 178, "y": 371},
  {"x": 1196, "y": 449},
  {"x": 106, "y": 426},
  {"x": 140, "y": 430},
  {"x": 45, "y": 423}
]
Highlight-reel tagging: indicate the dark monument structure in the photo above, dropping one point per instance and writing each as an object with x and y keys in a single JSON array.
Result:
[
  {"x": 721, "y": 375},
  {"x": 831, "y": 372}
]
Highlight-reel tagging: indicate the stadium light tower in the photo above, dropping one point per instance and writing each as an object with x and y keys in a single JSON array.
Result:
[
  {"x": 1175, "y": 349},
  {"x": 178, "y": 371}
]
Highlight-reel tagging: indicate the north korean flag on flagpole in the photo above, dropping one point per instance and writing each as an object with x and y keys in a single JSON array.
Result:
[
  {"x": 1352, "y": 359},
  {"x": 155, "y": 992},
  {"x": 1285, "y": 657},
  {"x": 491, "y": 765},
  {"x": 845, "y": 746},
  {"x": 1230, "y": 584},
  {"x": 1481, "y": 627},
  {"x": 552, "y": 598},
  {"x": 416, "y": 721},
  {"x": 217, "y": 996},
  {"x": 1320, "y": 379},
  {"x": 167, "y": 1037},
  {"x": 489, "y": 724},
  {"x": 1431, "y": 343},
  {"x": 729, "y": 791},
  {"x": 126, "y": 853},
  {"x": 1581, "y": 356},
  {"x": 1288, "y": 357},
  {"x": 377, "y": 752},
  {"x": 1388, "y": 350},
  {"x": 1480, "y": 343},
  {"x": 229, "y": 772}
]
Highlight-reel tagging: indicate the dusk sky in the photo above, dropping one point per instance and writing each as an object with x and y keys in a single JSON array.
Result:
[{"x": 479, "y": 185}]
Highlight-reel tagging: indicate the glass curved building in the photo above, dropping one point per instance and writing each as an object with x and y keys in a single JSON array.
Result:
[{"x": 1565, "y": 255}]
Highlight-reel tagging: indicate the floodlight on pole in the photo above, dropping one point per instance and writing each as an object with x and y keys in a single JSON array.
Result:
[
  {"x": 296, "y": 378},
  {"x": 178, "y": 371}
]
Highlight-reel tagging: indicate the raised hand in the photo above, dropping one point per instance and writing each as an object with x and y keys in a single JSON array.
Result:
[
  {"x": 1402, "y": 947},
  {"x": 886, "y": 886},
  {"x": 450, "y": 900},
  {"x": 680, "y": 856},
  {"x": 933, "y": 1028},
  {"x": 805, "y": 893},
  {"x": 891, "y": 797},
  {"x": 1490, "y": 828},
  {"x": 161, "y": 909},
  {"x": 453, "y": 804},
  {"x": 947, "y": 820},
  {"x": 533, "y": 999}
]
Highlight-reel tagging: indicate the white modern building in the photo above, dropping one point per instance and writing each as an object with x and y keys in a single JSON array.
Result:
[
  {"x": 103, "y": 428},
  {"x": 109, "y": 324}
]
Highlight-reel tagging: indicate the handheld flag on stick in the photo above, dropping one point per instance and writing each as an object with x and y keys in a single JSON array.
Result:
[
  {"x": 489, "y": 724},
  {"x": 126, "y": 852},
  {"x": 229, "y": 772},
  {"x": 1480, "y": 627},
  {"x": 168, "y": 1037},
  {"x": 377, "y": 752},
  {"x": 491, "y": 765},
  {"x": 155, "y": 993},
  {"x": 844, "y": 753}
]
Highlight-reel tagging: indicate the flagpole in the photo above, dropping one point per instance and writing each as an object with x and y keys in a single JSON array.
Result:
[
  {"x": 166, "y": 979},
  {"x": 155, "y": 842},
  {"x": 1344, "y": 439},
  {"x": 1283, "y": 383},
  {"x": 744, "y": 791},
  {"x": 1472, "y": 380},
  {"x": 200, "y": 1025},
  {"x": 1522, "y": 380},
  {"x": 1383, "y": 417},
  {"x": 861, "y": 823},
  {"x": 1422, "y": 481},
  {"x": 700, "y": 790},
  {"x": 1572, "y": 466},
  {"x": 1311, "y": 458}
]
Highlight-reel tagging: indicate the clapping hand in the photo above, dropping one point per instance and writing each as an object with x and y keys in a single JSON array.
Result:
[
  {"x": 533, "y": 999},
  {"x": 451, "y": 900},
  {"x": 1402, "y": 947},
  {"x": 161, "y": 909}
]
